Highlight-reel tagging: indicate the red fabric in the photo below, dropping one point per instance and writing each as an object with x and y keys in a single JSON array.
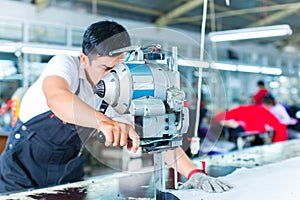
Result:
[
  {"x": 13, "y": 105},
  {"x": 254, "y": 118},
  {"x": 218, "y": 117},
  {"x": 202, "y": 104},
  {"x": 258, "y": 97},
  {"x": 6, "y": 106}
]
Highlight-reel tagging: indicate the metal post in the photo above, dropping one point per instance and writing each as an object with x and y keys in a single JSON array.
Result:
[
  {"x": 175, "y": 170},
  {"x": 174, "y": 58},
  {"x": 159, "y": 183}
]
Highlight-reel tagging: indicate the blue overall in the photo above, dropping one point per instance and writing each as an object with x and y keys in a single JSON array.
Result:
[{"x": 39, "y": 153}]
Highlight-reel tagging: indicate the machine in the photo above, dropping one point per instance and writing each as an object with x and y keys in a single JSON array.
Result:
[{"x": 148, "y": 87}]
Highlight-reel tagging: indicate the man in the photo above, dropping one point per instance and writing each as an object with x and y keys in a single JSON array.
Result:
[
  {"x": 44, "y": 146},
  {"x": 262, "y": 91},
  {"x": 278, "y": 110},
  {"x": 252, "y": 118}
]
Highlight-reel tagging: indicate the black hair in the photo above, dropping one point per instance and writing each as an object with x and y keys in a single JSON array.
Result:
[
  {"x": 268, "y": 99},
  {"x": 102, "y": 37},
  {"x": 261, "y": 83}
]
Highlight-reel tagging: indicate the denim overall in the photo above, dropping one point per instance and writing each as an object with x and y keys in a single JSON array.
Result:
[{"x": 39, "y": 153}]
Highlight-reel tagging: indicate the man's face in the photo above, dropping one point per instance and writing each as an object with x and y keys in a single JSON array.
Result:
[{"x": 100, "y": 66}]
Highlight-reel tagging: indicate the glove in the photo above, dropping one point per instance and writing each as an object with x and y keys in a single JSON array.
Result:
[{"x": 206, "y": 183}]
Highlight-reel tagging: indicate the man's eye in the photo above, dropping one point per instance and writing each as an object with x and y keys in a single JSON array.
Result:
[
  {"x": 106, "y": 68},
  {"x": 103, "y": 67}
]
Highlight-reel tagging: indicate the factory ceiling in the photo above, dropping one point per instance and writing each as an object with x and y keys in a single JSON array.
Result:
[{"x": 188, "y": 14}]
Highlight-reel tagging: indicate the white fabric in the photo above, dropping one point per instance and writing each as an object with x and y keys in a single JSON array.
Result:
[
  {"x": 276, "y": 181},
  {"x": 69, "y": 68}
]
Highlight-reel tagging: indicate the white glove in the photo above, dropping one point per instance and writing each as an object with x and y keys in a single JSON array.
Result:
[{"x": 206, "y": 183}]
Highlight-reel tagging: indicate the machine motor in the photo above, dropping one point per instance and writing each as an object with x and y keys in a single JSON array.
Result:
[{"x": 150, "y": 91}]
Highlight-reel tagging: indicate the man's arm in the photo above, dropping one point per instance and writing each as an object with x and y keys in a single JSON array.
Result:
[
  {"x": 185, "y": 165},
  {"x": 70, "y": 108}
]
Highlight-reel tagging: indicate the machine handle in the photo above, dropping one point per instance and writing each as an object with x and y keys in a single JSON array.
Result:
[{"x": 101, "y": 137}]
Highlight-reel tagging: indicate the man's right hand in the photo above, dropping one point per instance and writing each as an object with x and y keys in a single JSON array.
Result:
[{"x": 119, "y": 134}]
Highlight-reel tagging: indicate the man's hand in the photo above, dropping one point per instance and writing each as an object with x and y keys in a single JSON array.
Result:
[
  {"x": 120, "y": 134},
  {"x": 206, "y": 183}
]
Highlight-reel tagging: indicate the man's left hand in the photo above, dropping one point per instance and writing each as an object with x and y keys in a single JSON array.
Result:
[{"x": 206, "y": 183}]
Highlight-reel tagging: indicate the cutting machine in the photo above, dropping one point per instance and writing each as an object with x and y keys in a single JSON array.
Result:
[{"x": 148, "y": 87}]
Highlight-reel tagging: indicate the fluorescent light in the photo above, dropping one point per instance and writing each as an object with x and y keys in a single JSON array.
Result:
[
  {"x": 8, "y": 48},
  {"x": 38, "y": 49},
  {"x": 193, "y": 63},
  {"x": 49, "y": 51},
  {"x": 231, "y": 67},
  {"x": 250, "y": 33},
  {"x": 224, "y": 66},
  {"x": 248, "y": 68},
  {"x": 271, "y": 70}
]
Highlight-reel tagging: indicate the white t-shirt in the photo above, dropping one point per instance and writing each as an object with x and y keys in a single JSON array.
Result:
[
  {"x": 280, "y": 112},
  {"x": 69, "y": 68}
]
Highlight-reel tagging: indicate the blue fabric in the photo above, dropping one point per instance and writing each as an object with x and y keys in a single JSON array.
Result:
[{"x": 39, "y": 153}]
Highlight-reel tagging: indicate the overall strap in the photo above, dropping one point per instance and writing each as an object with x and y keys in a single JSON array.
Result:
[
  {"x": 103, "y": 106},
  {"x": 78, "y": 88}
]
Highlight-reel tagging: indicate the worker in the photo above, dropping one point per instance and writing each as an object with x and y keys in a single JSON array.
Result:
[
  {"x": 259, "y": 95},
  {"x": 43, "y": 147},
  {"x": 278, "y": 110},
  {"x": 252, "y": 118}
]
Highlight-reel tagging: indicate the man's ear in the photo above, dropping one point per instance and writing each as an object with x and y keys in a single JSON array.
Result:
[{"x": 84, "y": 60}]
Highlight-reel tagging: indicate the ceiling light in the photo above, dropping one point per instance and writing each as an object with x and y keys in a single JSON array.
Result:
[
  {"x": 224, "y": 66},
  {"x": 49, "y": 51},
  {"x": 271, "y": 70},
  {"x": 7, "y": 48},
  {"x": 248, "y": 68},
  {"x": 193, "y": 63},
  {"x": 250, "y": 33}
]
